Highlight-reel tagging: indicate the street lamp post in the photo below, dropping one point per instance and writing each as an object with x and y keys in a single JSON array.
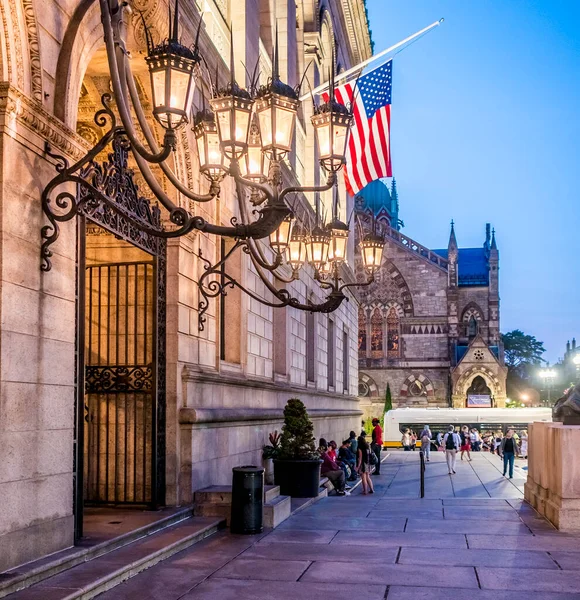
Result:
[{"x": 548, "y": 375}]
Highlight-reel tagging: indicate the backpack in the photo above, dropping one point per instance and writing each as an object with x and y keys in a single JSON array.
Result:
[
  {"x": 425, "y": 439},
  {"x": 450, "y": 442}
]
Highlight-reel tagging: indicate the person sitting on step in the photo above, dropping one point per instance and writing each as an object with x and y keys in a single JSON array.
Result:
[
  {"x": 346, "y": 456},
  {"x": 330, "y": 469}
]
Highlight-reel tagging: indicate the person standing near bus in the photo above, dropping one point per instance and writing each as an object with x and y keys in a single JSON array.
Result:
[
  {"x": 509, "y": 448},
  {"x": 425, "y": 438},
  {"x": 451, "y": 443},
  {"x": 377, "y": 444},
  {"x": 465, "y": 439}
]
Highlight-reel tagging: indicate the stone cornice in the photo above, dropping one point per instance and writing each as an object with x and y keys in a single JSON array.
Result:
[
  {"x": 16, "y": 107},
  {"x": 191, "y": 416},
  {"x": 357, "y": 28}
]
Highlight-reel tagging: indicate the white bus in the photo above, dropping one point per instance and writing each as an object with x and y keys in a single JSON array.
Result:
[{"x": 438, "y": 419}]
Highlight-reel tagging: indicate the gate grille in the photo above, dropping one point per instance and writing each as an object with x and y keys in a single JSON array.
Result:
[{"x": 119, "y": 383}]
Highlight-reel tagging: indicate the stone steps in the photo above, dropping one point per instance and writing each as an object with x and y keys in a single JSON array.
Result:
[{"x": 97, "y": 574}]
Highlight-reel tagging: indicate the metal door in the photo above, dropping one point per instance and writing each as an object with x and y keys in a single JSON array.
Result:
[{"x": 120, "y": 383}]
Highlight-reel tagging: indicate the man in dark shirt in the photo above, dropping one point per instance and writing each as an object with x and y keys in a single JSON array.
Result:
[
  {"x": 508, "y": 451},
  {"x": 346, "y": 456},
  {"x": 377, "y": 444}
]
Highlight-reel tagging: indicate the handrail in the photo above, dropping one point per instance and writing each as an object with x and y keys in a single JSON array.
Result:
[{"x": 416, "y": 247}]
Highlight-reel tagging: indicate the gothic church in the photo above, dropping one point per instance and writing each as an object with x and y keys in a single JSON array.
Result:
[{"x": 429, "y": 324}]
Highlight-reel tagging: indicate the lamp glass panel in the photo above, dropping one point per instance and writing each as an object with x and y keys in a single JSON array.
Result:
[
  {"x": 223, "y": 121},
  {"x": 323, "y": 133},
  {"x": 214, "y": 154},
  {"x": 265, "y": 119},
  {"x": 284, "y": 127},
  {"x": 296, "y": 253},
  {"x": 252, "y": 166},
  {"x": 242, "y": 125},
  {"x": 337, "y": 249},
  {"x": 201, "y": 150},
  {"x": 179, "y": 87},
  {"x": 340, "y": 135},
  {"x": 158, "y": 85}
]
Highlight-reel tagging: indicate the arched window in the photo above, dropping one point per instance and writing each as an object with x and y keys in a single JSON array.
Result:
[
  {"x": 393, "y": 341},
  {"x": 377, "y": 334},
  {"x": 362, "y": 331},
  {"x": 472, "y": 327}
]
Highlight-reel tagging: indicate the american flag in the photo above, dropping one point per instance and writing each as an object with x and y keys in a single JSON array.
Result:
[{"x": 368, "y": 156}]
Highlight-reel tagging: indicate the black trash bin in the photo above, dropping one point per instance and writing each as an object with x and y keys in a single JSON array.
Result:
[{"x": 247, "y": 500}]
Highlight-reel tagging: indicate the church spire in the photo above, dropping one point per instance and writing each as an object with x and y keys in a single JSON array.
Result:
[
  {"x": 394, "y": 195},
  {"x": 452, "y": 239},
  {"x": 493, "y": 242}
]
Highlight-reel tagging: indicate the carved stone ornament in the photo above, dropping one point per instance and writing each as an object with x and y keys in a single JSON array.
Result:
[{"x": 567, "y": 408}]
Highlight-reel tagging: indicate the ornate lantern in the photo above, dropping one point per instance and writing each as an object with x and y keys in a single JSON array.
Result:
[
  {"x": 277, "y": 107},
  {"x": 255, "y": 164},
  {"x": 331, "y": 122},
  {"x": 372, "y": 252},
  {"x": 280, "y": 238},
  {"x": 338, "y": 241},
  {"x": 212, "y": 162},
  {"x": 233, "y": 109},
  {"x": 318, "y": 245},
  {"x": 296, "y": 253},
  {"x": 171, "y": 66}
]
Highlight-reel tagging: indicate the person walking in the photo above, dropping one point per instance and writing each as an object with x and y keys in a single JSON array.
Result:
[
  {"x": 465, "y": 442},
  {"x": 497, "y": 443},
  {"x": 377, "y": 444},
  {"x": 426, "y": 442},
  {"x": 508, "y": 451},
  {"x": 451, "y": 443},
  {"x": 406, "y": 440},
  {"x": 413, "y": 440},
  {"x": 363, "y": 465}
]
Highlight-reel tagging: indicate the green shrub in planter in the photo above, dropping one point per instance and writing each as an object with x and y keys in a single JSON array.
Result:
[{"x": 297, "y": 466}]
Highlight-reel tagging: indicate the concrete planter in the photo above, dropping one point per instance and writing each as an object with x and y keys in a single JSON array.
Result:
[
  {"x": 298, "y": 478},
  {"x": 268, "y": 471}
]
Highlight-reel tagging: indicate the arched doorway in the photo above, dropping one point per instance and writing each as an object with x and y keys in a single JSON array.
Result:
[{"x": 479, "y": 395}]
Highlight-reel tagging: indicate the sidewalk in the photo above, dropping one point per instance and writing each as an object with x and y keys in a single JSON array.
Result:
[{"x": 472, "y": 535}]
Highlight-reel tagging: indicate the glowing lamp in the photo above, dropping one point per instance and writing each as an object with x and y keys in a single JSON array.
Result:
[
  {"x": 318, "y": 245},
  {"x": 280, "y": 238},
  {"x": 171, "y": 68},
  {"x": 255, "y": 164},
  {"x": 372, "y": 252},
  {"x": 277, "y": 107},
  {"x": 233, "y": 109},
  {"x": 296, "y": 253},
  {"x": 331, "y": 121},
  {"x": 212, "y": 162},
  {"x": 338, "y": 240}
]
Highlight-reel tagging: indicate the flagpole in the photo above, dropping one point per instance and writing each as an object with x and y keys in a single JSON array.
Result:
[{"x": 366, "y": 62}]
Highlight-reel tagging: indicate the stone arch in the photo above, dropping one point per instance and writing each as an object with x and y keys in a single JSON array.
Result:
[
  {"x": 490, "y": 378},
  {"x": 400, "y": 282},
  {"x": 472, "y": 310},
  {"x": 367, "y": 388},
  {"x": 20, "y": 62},
  {"x": 327, "y": 42},
  {"x": 417, "y": 386}
]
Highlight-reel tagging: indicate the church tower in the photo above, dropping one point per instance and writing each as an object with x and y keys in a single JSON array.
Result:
[
  {"x": 493, "y": 295},
  {"x": 452, "y": 294}
]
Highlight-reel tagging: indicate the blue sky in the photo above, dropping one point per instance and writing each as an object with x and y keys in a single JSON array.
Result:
[{"x": 486, "y": 128}]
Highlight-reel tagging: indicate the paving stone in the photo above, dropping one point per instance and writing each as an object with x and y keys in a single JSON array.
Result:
[
  {"x": 477, "y": 558},
  {"x": 453, "y": 577},
  {"x": 399, "y": 511},
  {"x": 38, "y": 593},
  {"x": 547, "y": 543},
  {"x": 423, "y": 503},
  {"x": 468, "y": 526},
  {"x": 267, "y": 570},
  {"x": 483, "y": 503},
  {"x": 398, "y": 539},
  {"x": 567, "y": 560},
  {"x": 305, "y": 551},
  {"x": 429, "y": 593},
  {"x": 536, "y": 580},
  {"x": 230, "y": 589},
  {"x": 323, "y": 536},
  {"x": 395, "y": 524},
  {"x": 475, "y": 513}
]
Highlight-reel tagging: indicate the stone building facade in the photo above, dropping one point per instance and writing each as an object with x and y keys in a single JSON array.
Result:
[
  {"x": 225, "y": 387},
  {"x": 429, "y": 324}
]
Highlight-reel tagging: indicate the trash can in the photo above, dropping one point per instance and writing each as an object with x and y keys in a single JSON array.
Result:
[{"x": 247, "y": 500}]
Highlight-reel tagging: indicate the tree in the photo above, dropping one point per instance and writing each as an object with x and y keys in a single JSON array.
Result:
[
  {"x": 522, "y": 353},
  {"x": 297, "y": 441},
  {"x": 388, "y": 400},
  {"x": 521, "y": 349}
]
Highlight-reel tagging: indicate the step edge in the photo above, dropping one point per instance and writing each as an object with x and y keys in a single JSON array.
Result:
[
  {"x": 56, "y": 567},
  {"x": 93, "y": 589}
]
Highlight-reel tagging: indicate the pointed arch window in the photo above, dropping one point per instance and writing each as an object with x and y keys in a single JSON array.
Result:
[
  {"x": 472, "y": 327},
  {"x": 362, "y": 332},
  {"x": 377, "y": 334},
  {"x": 393, "y": 333}
]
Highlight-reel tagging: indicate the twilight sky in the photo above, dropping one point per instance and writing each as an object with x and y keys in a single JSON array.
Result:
[{"x": 486, "y": 127}]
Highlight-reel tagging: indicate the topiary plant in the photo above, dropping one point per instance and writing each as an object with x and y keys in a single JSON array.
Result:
[{"x": 297, "y": 441}]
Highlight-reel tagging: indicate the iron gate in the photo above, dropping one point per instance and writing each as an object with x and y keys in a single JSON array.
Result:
[{"x": 120, "y": 386}]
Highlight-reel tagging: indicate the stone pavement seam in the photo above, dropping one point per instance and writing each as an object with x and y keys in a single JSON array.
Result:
[
  {"x": 466, "y": 540},
  {"x": 477, "y": 577},
  {"x": 305, "y": 570},
  {"x": 398, "y": 555},
  {"x": 557, "y": 563}
]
